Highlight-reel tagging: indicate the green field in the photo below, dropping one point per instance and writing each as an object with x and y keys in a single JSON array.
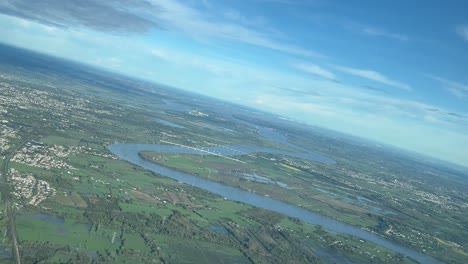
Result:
[{"x": 102, "y": 209}]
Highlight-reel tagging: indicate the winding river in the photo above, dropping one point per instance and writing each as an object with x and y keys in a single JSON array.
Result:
[{"x": 129, "y": 152}]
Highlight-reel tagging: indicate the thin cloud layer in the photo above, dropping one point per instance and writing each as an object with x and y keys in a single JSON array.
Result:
[
  {"x": 133, "y": 16},
  {"x": 119, "y": 16},
  {"x": 357, "y": 27},
  {"x": 372, "y": 31},
  {"x": 251, "y": 56},
  {"x": 315, "y": 70},
  {"x": 192, "y": 22},
  {"x": 463, "y": 32},
  {"x": 374, "y": 76},
  {"x": 455, "y": 88},
  {"x": 376, "y": 89},
  {"x": 297, "y": 91}
]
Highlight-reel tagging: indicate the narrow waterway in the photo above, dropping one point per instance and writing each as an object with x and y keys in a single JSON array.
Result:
[{"x": 129, "y": 152}]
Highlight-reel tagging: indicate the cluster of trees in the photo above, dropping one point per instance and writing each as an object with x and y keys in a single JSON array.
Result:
[{"x": 43, "y": 252}]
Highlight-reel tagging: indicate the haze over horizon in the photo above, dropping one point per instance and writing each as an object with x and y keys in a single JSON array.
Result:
[{"x": 393, "y": 72}]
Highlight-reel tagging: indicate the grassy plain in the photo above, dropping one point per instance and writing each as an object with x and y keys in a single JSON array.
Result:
[{"x": 153, "y": 219}]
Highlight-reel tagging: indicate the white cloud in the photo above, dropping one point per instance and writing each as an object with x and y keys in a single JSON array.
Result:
[
  {"x": 374, "y": 31},
  {"x": 290, "y": 2},
  {"x": 213, "y": 66},
  {"x": 457, "y": 89},
  {"x": 374, "y": 76},
  {"x": 314, "y": 70},
  {"x": 377, "y": 32},
  {"x": 341, "y": 107},
  {"x": 295, "y": 95},
  {"x": 449, "y": 82},
  {"x": 457, "y": 92},
  {"x": 198, "y": 25},
  {"x": 463, "y": 31},
  {"x": 403, "y": 123},
  {"x": 121, "y": 16},
  {"x": 239, "y": 18},
  {"x": 161, "y": 54},
  {"x": 128, "y": 16}
]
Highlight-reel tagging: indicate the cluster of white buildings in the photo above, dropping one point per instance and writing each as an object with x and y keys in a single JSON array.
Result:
[
  {"x": 22, "y": 97},
  {"x": 89, "y": 151},
  {"x": 5, "y": 133},
  {"x": 295, "y": 164},
  {"x": 44, "y": 190},
  {"x": 197, "y": 113},
  {"x": 414, "y": 193},
  {"x": 45, "y": 157},
  {"x": 28, "y": 190}
]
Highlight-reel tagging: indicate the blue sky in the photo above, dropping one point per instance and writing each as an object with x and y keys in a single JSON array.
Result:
[{"x": 391, "y": 71}]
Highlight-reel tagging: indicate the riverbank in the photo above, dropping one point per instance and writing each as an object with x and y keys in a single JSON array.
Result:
[{"x": 129, "y": 152}]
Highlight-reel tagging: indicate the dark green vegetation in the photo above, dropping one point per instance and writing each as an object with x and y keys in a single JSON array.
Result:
[{"x": 73, "y": 201}]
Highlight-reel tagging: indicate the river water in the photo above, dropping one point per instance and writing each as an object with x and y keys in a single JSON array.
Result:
[{"x": 129, "y": 152}]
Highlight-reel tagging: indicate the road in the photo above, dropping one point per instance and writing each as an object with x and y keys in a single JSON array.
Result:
[
  {"x": 203, "y": 151},
  {"x": 6, "y": 197}
]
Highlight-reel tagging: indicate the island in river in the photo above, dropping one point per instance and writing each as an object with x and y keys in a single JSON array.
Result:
[{"x": 326, "y": 197}]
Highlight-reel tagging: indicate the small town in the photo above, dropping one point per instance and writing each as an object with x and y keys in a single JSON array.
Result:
[
  {"x": 41, "y": 156},
  {"x": 6, "y": 133},
  {"x": 27, "y": 190},
  {"x": 89, "y": 175}
]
